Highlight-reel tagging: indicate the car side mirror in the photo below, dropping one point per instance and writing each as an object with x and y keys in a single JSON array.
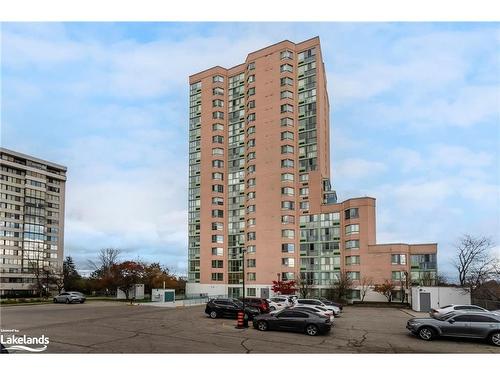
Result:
[{"x": 451, "y": 321}]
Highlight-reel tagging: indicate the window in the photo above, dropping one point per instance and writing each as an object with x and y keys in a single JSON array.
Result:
[
  {"x": 251, "y": 195},
  {"x": 286, "y": 68},
  {"x": 217, "y": 264},
  {"x": 251, "y": 263},
  {"x": 352, "y": 244},
  {"x": 251, "y": 104},
  {"x": 286, "y": 81},
  {"x": 304, "y": 191},
  {"x": 218, "y": 251},
  {"x": 218, "y": 163},
  {"x": 217, "y": 151},
  {"x": 217, "y": 226},
  {"x": 306, "y": 54},
  {"x": 287, "y": 177},
  {"x": 287, "y": 121},
  {"x": 286, "y": 54},
  {"x": 217, "y": 127},
  {"x": 218, "y": 201},
  {"x": 351, "y": 260},
  {"x": 284, "y": 108},
  {"x": 251, "y": 66},
  {"x": 217, "y": 238},
  {"x": 287, "y": 163},
  {"x": 251, "y": 208},
  {"x": 351, "y": 213},
  {"x": 251, "y": 182},
  {"x": 398, "y": 275},
  {"x": 251, "y": 78},
  {"x": 304, "y": 205},
  {"x": 288, "y": 262},
  {"x": 251, "y": 169},
  {"x": 217, "y": 78},
  {"x": 287, "y": 248},
  {"x": 251, "y": 292},
  {"x": 218, "y": 139},
  {"x": 287, "y": 219},
  {"x": 398, "y": 259},
  {"x": 251, "y": 236},
  {"x": 287, "y": 191},
  {"x": 218, "y": 91},
  {"x": 286, "y": 95},
  {"x": 218, "y": 188},
  {"x": 251, "y": 276},
  {"x": 251, "y": 130},
  {"x": 217, "y": 213},
  {"x": 251, "y": 117},
  {"x": 288, "y": 233},
  {"x": 287, "y": 205},
  {"x": 351, "y": 229},
  {"x": 287, "y": 149},
  {"x": 217, "y": 276},
  {"x": 286, "y": 135},
  {"x": 285, "y": 276},
  {"x": 251, "y": 91},
  {"x": 251, "y": 249},
  {"x": 217, "y": 103},
  {"x": 218, "y": 115},
  {"x": 251, "y": 156},
  {"x": 251, "y": 143},
  {"x": 353, "y": 275}
]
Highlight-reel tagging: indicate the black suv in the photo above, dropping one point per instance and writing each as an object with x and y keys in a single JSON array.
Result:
[{"x": 228, "y": 308}]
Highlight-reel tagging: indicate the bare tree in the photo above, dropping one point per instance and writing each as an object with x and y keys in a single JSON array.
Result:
[
  {"x": 365, "y": 284},
  {"x": 339, "y": 287},
  {"x": 57, "y": 278},
  {"x": 105, "y": 259},
  {"x": 305, "y": 285},
  {"x": 474, "y": 262},
  {"x": 35, "y": 267}
]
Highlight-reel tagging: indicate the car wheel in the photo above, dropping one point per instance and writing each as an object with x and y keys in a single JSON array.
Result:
[
  {"x": 67, "y": 300},
  {"x": 426, "y": 333},
  {"x": 213, "y": 314},
  {"x": 494, "y": 338},
  {"x": 262, "y": 326},
  {"x": 55, "y": 300},
  {"x": 272, "y": 308},
  {"x": 82, "y": 301},
  {"x": 312, "y": 330}
]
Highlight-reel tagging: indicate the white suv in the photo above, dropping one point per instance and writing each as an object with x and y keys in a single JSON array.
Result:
[
  {"x": 317, "y": 302},
  {"x": 278, "y": 303}
]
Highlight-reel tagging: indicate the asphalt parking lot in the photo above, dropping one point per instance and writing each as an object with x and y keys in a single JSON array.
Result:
[{"x": 109, "y": 327}]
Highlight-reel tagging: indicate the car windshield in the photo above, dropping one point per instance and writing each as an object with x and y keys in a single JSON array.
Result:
[{"x": 445, "y": 307}]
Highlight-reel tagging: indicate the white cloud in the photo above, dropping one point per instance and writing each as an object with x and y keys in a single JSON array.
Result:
[{"x": 356, "y": 168}]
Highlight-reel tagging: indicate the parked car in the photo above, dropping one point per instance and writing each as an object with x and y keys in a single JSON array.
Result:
[
  {"x": 315, "y": 309},
  {"x": 471, "y": 324},
  {"x": 278, "y": 303},
  {"x": 317, "y": 302},
  {"x": 260, "y": 303},
  {"x": 70, "y": 297},
  {"x": 228, "y": 308},
  {"x": 436, "y": 313},
  {"x": 332, "y": 303},
  {"x": 293, "y": 320},
  {"x": 290, "y": 297}
]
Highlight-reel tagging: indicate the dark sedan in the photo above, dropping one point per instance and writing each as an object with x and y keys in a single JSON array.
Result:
[
  {"x": 295, "y": 320},
  {"x": 228, "y": 308},
  {"x": 465, "y": 324},
  {"x": 331, "y": 303}
]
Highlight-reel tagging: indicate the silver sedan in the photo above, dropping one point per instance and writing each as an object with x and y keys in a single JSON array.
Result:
[{"x": 70, "y": 297}]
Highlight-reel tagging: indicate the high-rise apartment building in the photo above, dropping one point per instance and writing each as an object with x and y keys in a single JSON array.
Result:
[
  {"x": 260, "y": 190},
  {"x": 31, "y": 220}
]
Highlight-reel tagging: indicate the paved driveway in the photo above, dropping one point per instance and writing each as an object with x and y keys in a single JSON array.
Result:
[{"x": 107, "y": 327}]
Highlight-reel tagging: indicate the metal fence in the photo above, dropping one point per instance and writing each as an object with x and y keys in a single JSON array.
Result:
[{"x": 486, "y": 303}]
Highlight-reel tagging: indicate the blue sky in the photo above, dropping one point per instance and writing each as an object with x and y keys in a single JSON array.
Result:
[{"x": 414, "y": 123}]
